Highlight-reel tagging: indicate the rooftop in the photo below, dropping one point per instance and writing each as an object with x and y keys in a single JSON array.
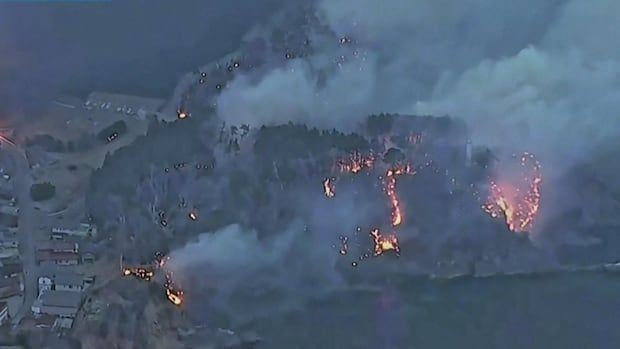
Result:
[
  {"x": 55, "y": 256},
  {"x": 11, "y": 269},
  {"x": 120, "y": 100},
  {"x": 9, "y": 282},
  {"x": 64, "y": 277},
  {"x": 53, "y": 245},
  {"x": 11, "y": 210},
  {"x": 66, "y": 299}
]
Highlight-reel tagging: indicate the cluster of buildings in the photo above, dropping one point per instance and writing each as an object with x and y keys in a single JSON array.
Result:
[
  {"x": 60, "y": 295},
  {"x": 60, "y": 289},
  {"x": 11, "y": 268},
  {"x": 138, "y": 107}
]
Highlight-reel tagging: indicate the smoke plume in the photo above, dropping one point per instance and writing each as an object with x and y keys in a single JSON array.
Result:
[
  {"x": 284, "y": 271},
  {"x": 532, "y": 73}
]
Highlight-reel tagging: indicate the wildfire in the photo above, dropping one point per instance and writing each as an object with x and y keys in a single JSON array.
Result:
[
  {"x": 344, "y": 247},
  {"x": 519, "y": 204},
  {"x": 160, "y": 260},
  {"x": 181, "y": 114},
  {"x": 384, "y": 243},
  {"x": 390, "y": 189},
  {"x": 139, "y": 272},
  {"x": 328, "y": 187},
  {"x": 174, "y": 295},
  {"x": 356, "y": 163}
]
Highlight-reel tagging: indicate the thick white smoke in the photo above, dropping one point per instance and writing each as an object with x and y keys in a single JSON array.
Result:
[
  {"x": 399, "y": 49},
  {"x": 539, "y": 74},
  {"x": 557, "y": 104},
  {"x": 283, "y": 272},
  {"x": 558, "y": 98}
]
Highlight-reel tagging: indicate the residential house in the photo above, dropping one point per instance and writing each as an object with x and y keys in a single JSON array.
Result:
[
  {"x": 59, "y": 280},
  {"x": 45, "y": 283},
  {"x": 83, "y": 230},
  {"x": 56, "y": 258},
  {"x": 10, "y": 287},
  {"x": 11, "y": 270},
  {"x": 59, "y": 246},
  {"x": 9, "y": 253},
  {"x": 88, "y": 257},
  {"x": 6, "y": 191},
  {"x": 9, "y": 210},
  {"x": 9, "y": 242},
  {"x": 63, "y": 304},
  {"x": 4, "y": 261},
  {"x": 4, "y": 313},
  {"x": 7, "y": 234},
  {"x": 8, "y": 220}
]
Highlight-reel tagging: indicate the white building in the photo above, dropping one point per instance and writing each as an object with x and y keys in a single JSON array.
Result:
[
  {"x": 83, "y": 230},
  {"x": 125, "y": 104},
  {"x": 63, "y": 304},
  {"x": 45, "y": 284},
  {"x": 55, "y": 279}
]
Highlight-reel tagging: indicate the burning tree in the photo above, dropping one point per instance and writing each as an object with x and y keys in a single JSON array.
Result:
[{"x": 517, "y": 201}]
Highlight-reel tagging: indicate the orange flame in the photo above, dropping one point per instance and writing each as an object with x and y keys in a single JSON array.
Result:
[
  {"x": 174, "y": 295},
  {"x": 384, "y": 243},
  {"x": 390, "y": 189},
  {"x": 181, "y": 114},
  {"x": 328, "y": 187},
  {"x": 139, "y": 272},
  {"x": 356, "y": 163},
  {"x": 518, "y": 206}
]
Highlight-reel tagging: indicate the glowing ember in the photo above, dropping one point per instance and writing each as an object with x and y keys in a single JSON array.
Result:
[
  {"x": 139, "y": 272},
  {"x": 174, "y": 294},
  {"x": 390, "y": 189},
  {"x": 160, "y": 260},
  {"x": 175, "y": 297},
  {"x": 344, "y": 248},
  {"x": 356, "y": 163},
  {"x": 384, "y": 243},
  {"x": 181, "y": 114},
  {"x": 328, "y": 187},
  {"x": 519, "y": 204}
]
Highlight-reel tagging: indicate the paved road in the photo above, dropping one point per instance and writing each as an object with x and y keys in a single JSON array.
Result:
[{"x": 28, "y": 219}]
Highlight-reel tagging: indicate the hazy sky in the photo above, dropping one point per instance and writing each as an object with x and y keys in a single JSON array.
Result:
[{"x": 137, "y": 46}]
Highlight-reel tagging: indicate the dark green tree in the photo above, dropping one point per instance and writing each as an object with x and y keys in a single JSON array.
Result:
[
  {"x": 42, "y": 191},
  {"x": 394, "y": 156}
]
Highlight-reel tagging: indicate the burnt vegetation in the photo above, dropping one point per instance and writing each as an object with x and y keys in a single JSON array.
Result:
[{"x": 265, "y": 178}]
